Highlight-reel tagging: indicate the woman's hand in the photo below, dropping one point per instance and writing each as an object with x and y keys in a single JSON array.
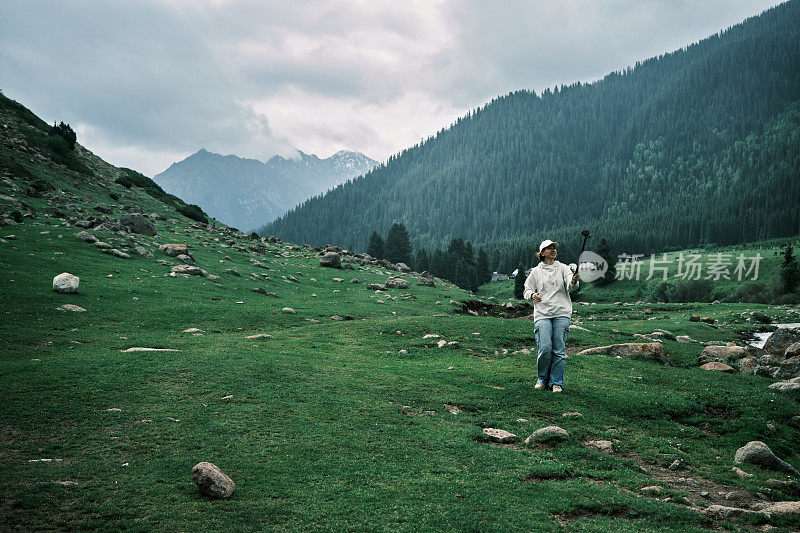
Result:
[
  {"x": 536, "y": 298},
  {"x": 575, "y": 278}
]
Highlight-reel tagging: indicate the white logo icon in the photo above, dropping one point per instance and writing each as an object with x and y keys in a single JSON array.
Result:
[{"x": 592, "y": 267}]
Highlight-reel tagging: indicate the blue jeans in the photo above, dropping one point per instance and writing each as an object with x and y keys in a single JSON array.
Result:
[{"x": 551, "y": 341}]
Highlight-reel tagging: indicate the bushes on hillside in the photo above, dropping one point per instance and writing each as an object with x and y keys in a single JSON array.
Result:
[
  {"x": 681, "y": 290},
  {"x": 194, "y": 212},
  {"x": 66, "y": 132}
]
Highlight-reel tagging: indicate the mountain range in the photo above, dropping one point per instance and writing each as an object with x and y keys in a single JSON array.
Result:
[
  {"x": 697, "y": 146},
  {"x": 247, "y": 193}
]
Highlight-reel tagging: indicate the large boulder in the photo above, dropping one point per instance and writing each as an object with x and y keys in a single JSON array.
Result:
[
  {"x": 719, "y": 367},
  {"x": 789, "y": 369},
  {"x": 212, "y": 481},
  {"x": 403, "y": 268},
  {"x": 499, "y": 436},
  {"x": 781, "y": 339},
  {"x": 137, "y": 223},
  {"x": 187, "y": 269},
  {"x": 396, "y": 283},
  {"x": 174, "y": 250},
  {"x": 757, "y": 453},
  {"x": 722, "y": 354},
  {"x": 331, "y": 260},
  {"x": 650, "y": 350},
  {"x": 549, "y": 433},
  {"x": 66, "y": 283}
]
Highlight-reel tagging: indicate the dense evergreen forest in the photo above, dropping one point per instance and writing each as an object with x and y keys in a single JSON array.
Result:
[{"x": 698, "y": 146}]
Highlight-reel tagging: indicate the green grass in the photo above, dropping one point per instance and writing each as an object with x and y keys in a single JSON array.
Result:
[{"x": 328, "y": 426}]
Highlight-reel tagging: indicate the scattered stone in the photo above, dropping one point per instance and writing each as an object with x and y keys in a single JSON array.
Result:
[
  {"x": 781, "y": 339},
  {"x": 331, "y": 260},
  {"x": 652, "y": 350},
  {"x": 677, "y": 464},
  {"x": 103, "y": 245},
  {"x": 137, "y": 223},
  {"x": 114, "y": 410},
  {"x": 684, "y": 338},
  {"x": 174, "y": 250},
  {"x": 785, "y": 386},
  {"x": 66, "y": 283},
  {"x": 789, "y": 368},
  {"x": 260, "y": 336},
  {"x": 187, "y": 269},
  {"x": 260, "y": 290},
  {"x": 549, "y": 433},
  {"x": 574, "y": 414},
  {"x": 783, "y": 509},
  {"x": 233, "y": 272},
  {"x": 601, "y": 445},
  {"x": 757, "y": 453},
  {"x": 144, "y": 252},
  {"x": 499, "y": 436},
  {"x": 441, "y": 344},
  {"x": 403, "y": 352},
  {"x": 427, "y": 282},
  {"x": 653, "y": 489},
  {"x": 289, "y": 310},
  {"x": 741, "y": 473},
  {"x": 694, "y": 318},
  {"x": 396, "y": 283},
  {"x": 792, "y": 351},
  {"x": 117, "y": 253},
  {"x": 452, "y": 408},
  {"x": 432, "y": 336},
  {"x": 722, "y": 353},
  {"x": 193, "y": 330},
  {"x": 71, "y": 307},
  {"x": 722, "y": 511},
  {"x": 376, "y": 287},
  {"x": 719, "y": 367},
  {"x": 85, "y": 236},
  {"x": 212, "y": 481},
  {"x": 707, "y": 320}
]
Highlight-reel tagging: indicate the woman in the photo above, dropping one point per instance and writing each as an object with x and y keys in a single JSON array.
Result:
[{"x": 549, "y": 285}]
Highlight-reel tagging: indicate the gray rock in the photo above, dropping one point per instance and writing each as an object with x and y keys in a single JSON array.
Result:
[
  {"x": 741, "y": 473},
  {"x": 376, "y": 287},
  {"x": 427, "y": 282},
  {"x": 187, "y": 269},
  {"x": 789, "y": 368},
  {"x": 785, "y": 386},
  {"x": 790, "y": 487},
  {"x": 144, "y": 252},
  {"x": 547, "y": 434},
  {"x": 781, "y": 339},
  {"x": 66, "y": 283},
  {"x": 212, "y": 481},
  {"x": 71, "y": 307},
  {"x": 722, "y": 354},
  {"x": 651, "y": 350},
  {"x": 403, "y": 268},
  {"x": 500, "y": 436},
  {"x": 783, "y": 509},
  {"x": 396, "y": 283},
  {"x": 174, "y": 250},
  {"x": 185, "y": 258},
  {"x": 85, "y": 236},
  {"x": 792, "y": 350},
  {"x": 723, "y": 511},
  {"x": 137, "y": 223},
  {"x": 757, "y": 453},
  {"x": 117, "y": 253},
  {"x": 331, "y": 260},
  {"x": 233, "y": 272},
  {"x": 601, "y": 445},
  {"x": 289, "y": 310}
]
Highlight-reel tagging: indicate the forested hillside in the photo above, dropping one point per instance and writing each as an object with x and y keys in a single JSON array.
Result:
[{"x": 701, "y": 145}]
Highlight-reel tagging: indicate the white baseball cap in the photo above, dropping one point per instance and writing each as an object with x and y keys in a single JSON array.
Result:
[{"x": 546, "y": 243}]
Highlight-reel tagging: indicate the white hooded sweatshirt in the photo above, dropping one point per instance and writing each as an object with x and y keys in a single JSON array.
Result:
[{"x": 553, "y": 283}]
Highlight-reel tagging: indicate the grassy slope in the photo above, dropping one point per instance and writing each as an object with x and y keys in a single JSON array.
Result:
[{"x": 327, "y": 425}]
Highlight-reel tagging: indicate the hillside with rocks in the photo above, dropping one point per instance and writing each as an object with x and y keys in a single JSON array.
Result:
[
  {"x": 246, "y": 193},
  {"x": 162, "y": 370}
]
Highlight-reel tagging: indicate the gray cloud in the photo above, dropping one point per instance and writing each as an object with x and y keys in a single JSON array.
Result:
[{"x": 149, "y": 82}]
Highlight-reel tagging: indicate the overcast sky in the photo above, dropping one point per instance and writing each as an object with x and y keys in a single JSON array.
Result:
[{"x": 146, "y": 83}]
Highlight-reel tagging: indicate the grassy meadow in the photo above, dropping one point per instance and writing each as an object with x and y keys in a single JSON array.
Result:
[{"x": 327, "y": 425}]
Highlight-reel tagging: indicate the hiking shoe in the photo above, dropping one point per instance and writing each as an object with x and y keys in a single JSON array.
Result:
[
  {"x": 556, "y": 388},
  {"x": 539, "y": 385}
]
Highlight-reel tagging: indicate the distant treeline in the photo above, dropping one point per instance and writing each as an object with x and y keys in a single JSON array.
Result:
[{"x": 699, "y": 146}]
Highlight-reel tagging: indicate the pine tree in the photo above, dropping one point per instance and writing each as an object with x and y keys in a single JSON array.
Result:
[
  {"x": 604, "y": 251},
  {"x": 422, "y": 261},
  {"x": 398, "y": 245},
  {"x": 789, "y": 271},
  {"x": 519, "y": 282},
  {"x": 482, "y": 267},
  {"x": 376, "y": 247}
]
